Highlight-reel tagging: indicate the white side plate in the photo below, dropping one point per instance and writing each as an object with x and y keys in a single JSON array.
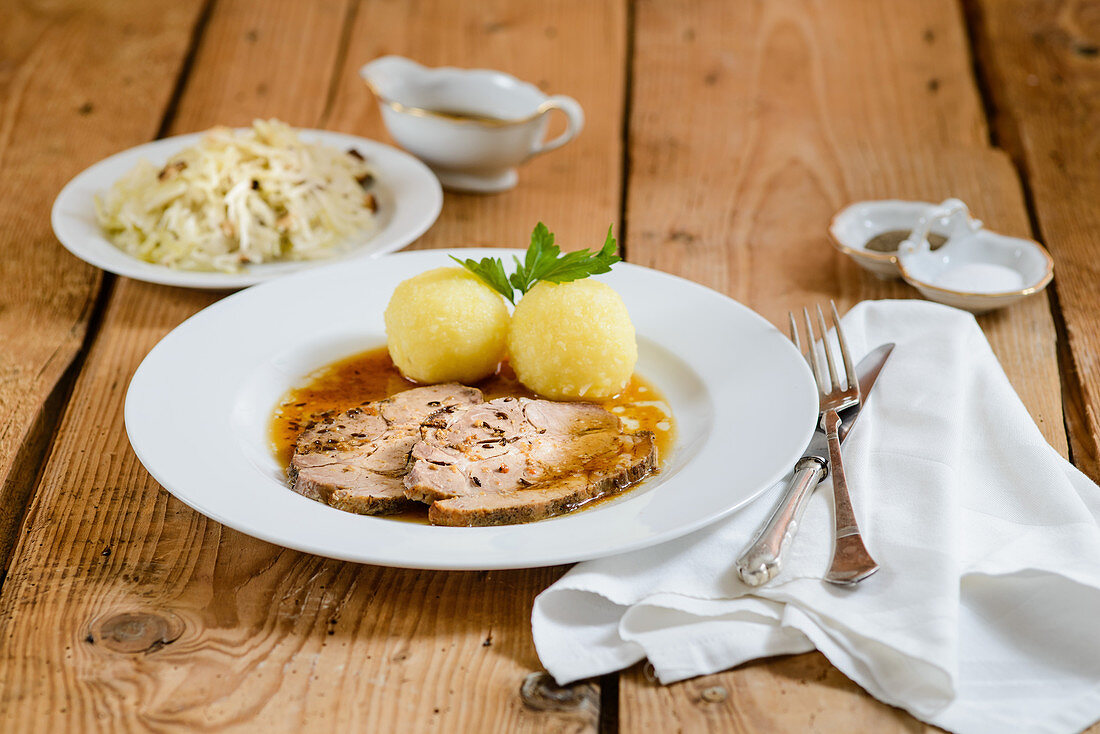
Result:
[
  {"x": 409, "y": 201},
  {"x": 199, "y": 406}
]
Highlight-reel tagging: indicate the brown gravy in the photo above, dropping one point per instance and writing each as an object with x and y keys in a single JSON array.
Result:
[
  {"x": 372, "y": 375},
  {"x": 471, "y": 116}
]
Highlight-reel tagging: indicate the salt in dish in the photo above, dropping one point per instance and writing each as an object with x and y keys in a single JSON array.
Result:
[{"x": 978, "y": 273}]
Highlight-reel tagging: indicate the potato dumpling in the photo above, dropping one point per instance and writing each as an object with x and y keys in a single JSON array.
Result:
[
  {"x": 573, "y": 341},
  {"x": 445, "y": 325}
]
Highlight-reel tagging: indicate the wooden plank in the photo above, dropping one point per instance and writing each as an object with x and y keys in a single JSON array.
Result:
[
  {"x": 787, "y": 167},
  {"x": 161, "y": 618},
  {"x": 262, "y": 60},
  {"x": 796, "y": 693},
  {"x": 57, "y": 117},
  {"x": 572, "y": 47},
  {"x": 738, "y": 196},
  {"x": 1039, "y": 62}
]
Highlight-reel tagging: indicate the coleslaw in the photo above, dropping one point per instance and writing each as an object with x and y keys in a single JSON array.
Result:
[{"x": 237, "y": 197}]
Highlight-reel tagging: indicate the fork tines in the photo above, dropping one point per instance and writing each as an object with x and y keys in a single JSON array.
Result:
[{"x": 849, "y": 381}]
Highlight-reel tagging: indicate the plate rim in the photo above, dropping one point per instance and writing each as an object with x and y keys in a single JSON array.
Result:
[
  {"x": 374, "y": 557},
  {"x": 70, "y": 197}
]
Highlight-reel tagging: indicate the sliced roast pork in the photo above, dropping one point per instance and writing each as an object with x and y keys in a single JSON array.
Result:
[
  {"x": 514, "y": 460},
  {"x": 356, "y": 461}
]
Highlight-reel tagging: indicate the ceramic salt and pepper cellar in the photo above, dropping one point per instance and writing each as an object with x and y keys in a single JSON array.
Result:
[{"x": 942, "y": 251}]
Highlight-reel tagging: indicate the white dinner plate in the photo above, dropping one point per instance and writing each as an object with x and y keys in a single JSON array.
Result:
[
  {"x": 199, "y": 407},
  {"x": 408, "y": 193}
]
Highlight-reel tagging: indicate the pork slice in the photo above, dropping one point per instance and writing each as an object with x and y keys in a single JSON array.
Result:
[
  {"x": 412, "y": 407},
  {"x": 517, "y": 460},
  {"x": 553, "y": 497},
  {"x": 342, "y": 487},
  {"x": 356, "y": 461}
]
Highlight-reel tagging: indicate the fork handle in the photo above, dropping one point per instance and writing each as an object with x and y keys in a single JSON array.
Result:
[
  {"x": 851, "y": 560},
  {"x": 763, "y": 559}
]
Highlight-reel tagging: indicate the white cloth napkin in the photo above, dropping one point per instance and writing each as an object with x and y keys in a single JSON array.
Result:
[{"x": 985, "y": 615}]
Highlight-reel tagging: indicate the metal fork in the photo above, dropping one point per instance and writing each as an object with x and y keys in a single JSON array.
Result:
[{"x": 851, "y": 561}]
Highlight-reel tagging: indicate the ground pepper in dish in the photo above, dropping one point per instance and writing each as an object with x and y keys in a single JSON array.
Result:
[{"x": 889, "y": 241}]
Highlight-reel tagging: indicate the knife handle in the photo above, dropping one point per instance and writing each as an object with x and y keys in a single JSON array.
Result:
[{"x": 762, "y": 560}]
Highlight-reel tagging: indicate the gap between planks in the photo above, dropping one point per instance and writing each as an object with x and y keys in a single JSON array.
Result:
[
  {"x": 33, "y": 457},
  {"x": 56, "y": 118},
  {"x": 1038, "y": 134}
]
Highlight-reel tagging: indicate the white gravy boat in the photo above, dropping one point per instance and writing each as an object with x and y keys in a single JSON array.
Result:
[{"x": 471, "y": 126}]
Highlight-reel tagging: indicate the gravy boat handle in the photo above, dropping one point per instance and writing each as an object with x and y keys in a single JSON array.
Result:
[{"x": 574, "y": 122}]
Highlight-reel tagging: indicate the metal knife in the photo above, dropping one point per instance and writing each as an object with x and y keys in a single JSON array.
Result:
[{"x": 762, "y": 560}]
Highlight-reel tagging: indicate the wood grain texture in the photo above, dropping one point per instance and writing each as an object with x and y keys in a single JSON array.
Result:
[
  {"x": 752, "y": 123},
  {"x": 754, "y": 226},
  {"x": 796, "y": 693},
  {"x": 738, "y": 195},
  {"x": 160, "y": 619},
  {"x": 55, "y": 119},
  {"x": 1041, "y": 63},
  {"x": 565, "y": 47}
]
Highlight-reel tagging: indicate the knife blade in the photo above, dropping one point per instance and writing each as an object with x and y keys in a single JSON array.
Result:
[{"x": 762, "y": 560}]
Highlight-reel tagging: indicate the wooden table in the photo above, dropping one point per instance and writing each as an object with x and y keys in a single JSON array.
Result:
[{"x": 721, "y": 137}]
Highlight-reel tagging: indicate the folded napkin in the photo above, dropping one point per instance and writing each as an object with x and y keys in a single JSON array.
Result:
[{"x": 985, "y": 614}]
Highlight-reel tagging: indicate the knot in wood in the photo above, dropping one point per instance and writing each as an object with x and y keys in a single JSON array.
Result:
[
  {"x": 1084, "y": 48},
  {"x": 714, "y": 694},
  {"x": 136, "y": 632},
  {"x": 540, "y": 692}
]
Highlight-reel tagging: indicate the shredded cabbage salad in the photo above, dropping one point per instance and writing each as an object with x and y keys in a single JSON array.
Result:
[{"x": 238, "y": 197}]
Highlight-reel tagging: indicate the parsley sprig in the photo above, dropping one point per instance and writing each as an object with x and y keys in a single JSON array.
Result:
[{"x": 543, "y": 261}]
